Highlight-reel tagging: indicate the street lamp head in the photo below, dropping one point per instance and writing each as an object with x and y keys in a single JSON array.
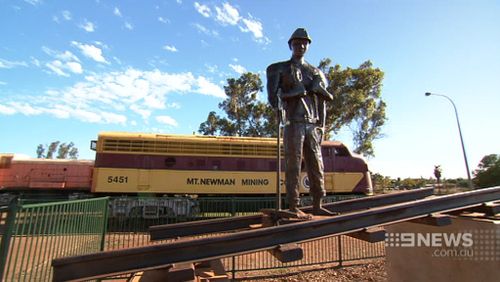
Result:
[{"x": 428, "y": 93}]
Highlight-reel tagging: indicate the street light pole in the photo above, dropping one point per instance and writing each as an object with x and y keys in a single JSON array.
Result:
[{"x": 460, "y": 133}]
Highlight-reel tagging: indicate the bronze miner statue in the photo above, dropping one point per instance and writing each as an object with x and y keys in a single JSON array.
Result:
[{"x": 299, "y": 89}]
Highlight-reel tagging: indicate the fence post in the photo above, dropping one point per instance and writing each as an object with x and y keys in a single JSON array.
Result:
[
  {"x": 233, "y": 206},
  {"x": 339, "y": 244},
  {"x": 104, "y": 224},
  {"x": 233, "y": 268},
  {"x": 6, "y": 236}
]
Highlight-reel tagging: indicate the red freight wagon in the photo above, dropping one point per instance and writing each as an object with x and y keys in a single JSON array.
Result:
[{"x": 29, "y": 174}]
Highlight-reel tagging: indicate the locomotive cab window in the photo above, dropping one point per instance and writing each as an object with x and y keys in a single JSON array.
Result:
[
  {"x": 342, "y": 152},
  {"x": 93, "y": 145}
]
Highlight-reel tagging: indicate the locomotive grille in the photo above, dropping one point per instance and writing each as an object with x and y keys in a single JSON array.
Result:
[{"x": 188, "y": 147}]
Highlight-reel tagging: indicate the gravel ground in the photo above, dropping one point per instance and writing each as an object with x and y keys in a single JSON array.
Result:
[{"x": 373, "y": 270}]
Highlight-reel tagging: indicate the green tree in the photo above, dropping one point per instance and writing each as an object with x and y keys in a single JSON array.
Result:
[
  {"x": 357, "y": 103},
  {"x": 40, "y": 151},
  {"x": 246, "y": 115},
  {"x": 380, "y": 182},
  {"x": 64, "y": 150},
  {"x": 52, "y": 149},
  {"x": 211, "y": 125},
  {"x": 488, "y": 172}
]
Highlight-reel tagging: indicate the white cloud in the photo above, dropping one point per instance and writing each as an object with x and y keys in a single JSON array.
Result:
[
  {"x": 117, "y": 12},
  {"x": 59, "y": 111},
  {"x": 74, "y": 67},
  {"x": 90, "y": 51},
  {"x": 170, "y": 48},
  {"x": 206, "y": 87},
  {"x": 167, "y": 120},
  {"x": 66, "y": 15},
  {"x": 118, "y": 97},
  {"x": 211, "y": 68},
  {"x": 253, "y": 26},
  {"x": 64, "y": 61},
  {"x": 238, "y": 68},
  {"x": 67, "y": 56},
  {"x": 204, "y": 10},
  {"x": 227, "y": 14},
  {"x": 87, "y": 115},
  {"x": 87, "y": 26},
  {"x": 3, "y": 83},
  {"x": 205, "y": 30},
  {"x": 7, "y": 110},
  {"x": 118, "y": 61},
  {"x": 5, "y": 64},
  {"x": 145, "y": 114},
  {"x": 128, "y": 26},
  {"x": 57, "y": 67},
  {"x": 113, "y": 118},
  {"x": 33, "y": 2},
  {"x": 174, "y": 105},
  {"x": 163, "y": 20},
  {"x": 26, "y": 108},
  {"x": 35, "y": 62}
]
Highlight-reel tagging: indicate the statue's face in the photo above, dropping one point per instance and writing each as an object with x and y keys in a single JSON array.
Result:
[{"x": 299, "y": 47}]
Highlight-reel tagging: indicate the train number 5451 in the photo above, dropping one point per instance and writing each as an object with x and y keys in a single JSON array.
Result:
[{"x": 117, "y": 179}]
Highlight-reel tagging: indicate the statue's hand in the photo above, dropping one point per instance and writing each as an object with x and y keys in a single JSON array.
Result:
[{"x": 319, "y": 88}]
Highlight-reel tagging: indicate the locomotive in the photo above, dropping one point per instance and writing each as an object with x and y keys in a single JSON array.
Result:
[{"x": 167, "y": 165}]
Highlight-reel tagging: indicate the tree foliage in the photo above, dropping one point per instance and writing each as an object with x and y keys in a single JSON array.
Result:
[
  {"x": 488, "y": 172},
  {"x": 63, "y": 150},
  {"x": 357, "y": 105},
  {"x": 246, "y": 115}
]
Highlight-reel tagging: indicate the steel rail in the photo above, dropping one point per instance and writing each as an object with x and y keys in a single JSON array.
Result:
[
  {"x": 161, "y": 232},
  {"x": 109, "y": 263}
]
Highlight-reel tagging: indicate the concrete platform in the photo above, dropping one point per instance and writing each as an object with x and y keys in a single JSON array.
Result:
[{"x": 466, "y": 250}]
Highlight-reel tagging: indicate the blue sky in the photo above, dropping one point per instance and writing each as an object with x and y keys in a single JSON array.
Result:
[{"x": 70, "y": 69}]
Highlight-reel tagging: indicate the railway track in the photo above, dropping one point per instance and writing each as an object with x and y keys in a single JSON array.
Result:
[{"x": 252, "y": 233}]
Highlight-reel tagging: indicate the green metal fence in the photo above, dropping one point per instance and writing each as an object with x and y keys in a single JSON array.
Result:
[
  {"x": 34, "y": 234},
  {"x": 130, "y": 217}
]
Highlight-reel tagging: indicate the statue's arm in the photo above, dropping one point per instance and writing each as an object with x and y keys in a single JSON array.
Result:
[
  {"x": 273, "y": 79},
  {"x": 319, "y": 86}
]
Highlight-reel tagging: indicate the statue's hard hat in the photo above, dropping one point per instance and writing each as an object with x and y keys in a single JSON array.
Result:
[{"x": 299, "y": 33}]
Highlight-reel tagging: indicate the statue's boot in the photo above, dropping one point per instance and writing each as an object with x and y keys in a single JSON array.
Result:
[
  {"x": 319, "y": 210},
  {"x": 297, "y": 213}
]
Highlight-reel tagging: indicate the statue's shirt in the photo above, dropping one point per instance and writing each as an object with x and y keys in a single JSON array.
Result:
[
  {"x": 302, "y": 109},
  {"x": 291, "y": 77}
]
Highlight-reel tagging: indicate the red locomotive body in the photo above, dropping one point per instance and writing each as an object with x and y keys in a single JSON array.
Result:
[{"x": 42, "y": 174}]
